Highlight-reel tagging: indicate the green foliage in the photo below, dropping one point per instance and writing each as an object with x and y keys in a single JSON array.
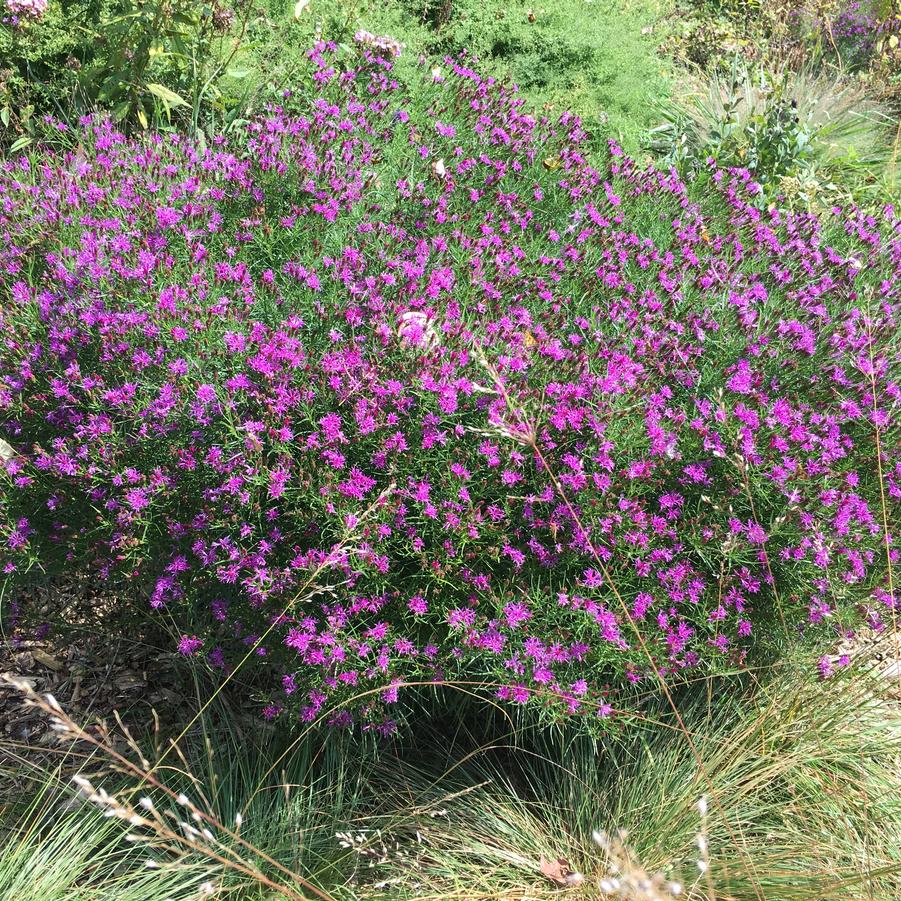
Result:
[
  {"x": 275, "y": 804},
  {"x": 592, "y": 58},
  {"x": 885, "y": 68},
  {"x": 808, "y": 138},
  {"x": 159, "y": 57},
  {"x": 41, "y": 61},
  {"x": 710, "y": 34},
  {"x": 145, "y": 61},
  {"x": 598, "y": 59},
  {"x": 214, "y": 62}
]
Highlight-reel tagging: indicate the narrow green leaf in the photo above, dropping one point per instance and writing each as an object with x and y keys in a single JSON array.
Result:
[
  {"x": 20, "y": 144},
  {"x": 169, "y": 98}
]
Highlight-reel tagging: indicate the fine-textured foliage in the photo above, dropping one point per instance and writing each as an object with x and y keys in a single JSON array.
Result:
[
  {"x": 802, "y": 802},
  {"x": 798, "y": 133},
  {"x": 59, "y": 851},
  {"x": 800, "y": 799},
  {"x": 221, "y": 813},
  {"x": 596, "y": 60},
  {"x": 400, "y": 386}
]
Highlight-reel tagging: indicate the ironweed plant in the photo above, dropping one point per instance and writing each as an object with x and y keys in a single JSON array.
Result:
[{"x": 401, "y": 384}]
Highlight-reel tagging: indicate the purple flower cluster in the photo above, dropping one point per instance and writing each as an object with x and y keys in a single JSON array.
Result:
[
  {"x": 854, "y": 32},
  {"x": 355, "y": 418},
  {"x": 26, "y": 9}
]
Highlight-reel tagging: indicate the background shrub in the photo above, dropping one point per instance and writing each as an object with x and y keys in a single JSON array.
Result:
[
  {"x": 137, "y": 61},
  {"x": 803, "y": 137},
  {"x": 41, "y": 60}
]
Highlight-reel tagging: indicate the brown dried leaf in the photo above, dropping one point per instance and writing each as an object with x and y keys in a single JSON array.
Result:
[
  {"x": 555, "y": 870},
  {"x": 45, "y": 659}
]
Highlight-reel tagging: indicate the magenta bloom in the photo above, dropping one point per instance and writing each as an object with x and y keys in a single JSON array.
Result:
[
  {"x": 28, "y": 9},
  {"x": 189, "y": 645}
]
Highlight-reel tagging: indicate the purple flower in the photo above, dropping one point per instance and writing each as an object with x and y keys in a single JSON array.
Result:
[
  {"x": 206, "y": 394},
  {"x": 742, "y": 380},
  {"x": 167, "y": 216},
  {"x": 189, "y": 645}
]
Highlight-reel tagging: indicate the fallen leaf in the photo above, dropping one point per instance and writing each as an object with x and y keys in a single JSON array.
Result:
[
  {"x": 30, "y": 681},
  {"x": 555, "y": 870},
  {"x": 24, "y": 660}
]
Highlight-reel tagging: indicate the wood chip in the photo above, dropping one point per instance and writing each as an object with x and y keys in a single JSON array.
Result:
[{"x": 47, "y": 660}]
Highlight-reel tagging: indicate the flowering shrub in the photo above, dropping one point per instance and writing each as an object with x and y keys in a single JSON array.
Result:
[
  {"x": 853, "y": 33},
  {"x": 389, "y": 389}
]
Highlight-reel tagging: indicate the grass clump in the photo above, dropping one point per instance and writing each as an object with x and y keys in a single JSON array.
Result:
[
  {"x": 56, "y": 849},
  {"x": 801, "y": 789},
  {"x": 788, "y": 791},
  {"x": 804, "y": 95},
  {"x": 808, "y": 139}
]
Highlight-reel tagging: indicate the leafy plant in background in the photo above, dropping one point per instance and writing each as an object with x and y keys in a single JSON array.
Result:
[
  {"x": 162, "y": 56},
  {"x": 808, "y": 138},
  {"x": 710, "y": 34},
  {"x": 40, "y": 58},
  {"x": 777, "y": 34},
  {"x": 825, "y": 37},
  {"x": 601, "y": 66},
  {"x": 885, "y": 68},
  {"x": 147, "y": 61},
  {"x": 568, "y": 54},
  {"x": 126, "y": 46}
]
